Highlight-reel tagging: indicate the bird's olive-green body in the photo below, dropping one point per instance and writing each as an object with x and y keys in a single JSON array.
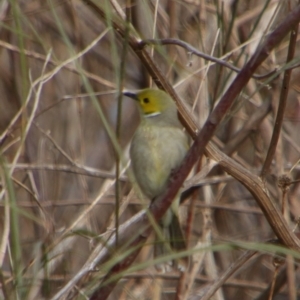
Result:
[
  {"x": 158, "y": 146},
  {"x": 156, "y": 150}
]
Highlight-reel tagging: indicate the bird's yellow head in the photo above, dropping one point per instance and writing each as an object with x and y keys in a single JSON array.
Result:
[{"x": 152, "y": 102}]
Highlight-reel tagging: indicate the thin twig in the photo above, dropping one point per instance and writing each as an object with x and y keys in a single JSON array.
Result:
[
  {"x": 46, "y": 77},
  {"x": 229, "y": 271},
  {"x": 6, "y": 225},
  {"x": 282, "y": 103},
  {"x": 276, "y": 285},
  {"x": 71, "y": 68},
  {"x": 77, "y": 169},
  {"x": 119, "y": 117},
  {"x": 194, "y": 51},
  {"x": 109, "y": 200}
]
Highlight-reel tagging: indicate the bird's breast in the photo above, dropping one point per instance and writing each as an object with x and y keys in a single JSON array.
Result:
[{"x": 156, "y": 151}]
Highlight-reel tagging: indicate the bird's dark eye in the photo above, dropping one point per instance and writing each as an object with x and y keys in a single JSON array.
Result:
[{"x": 146, "y": 100}]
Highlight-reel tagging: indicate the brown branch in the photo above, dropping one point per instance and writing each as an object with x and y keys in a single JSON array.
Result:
[
  {"x": 257, "y": 188},
  {"x": 193, "y": 50},
  {"x": 237, "y": 264},
  {"x": 109, "y": 200},
  {"x": 77, "y": 169},
  {"x": 279, "y": 282},
  {"x": 105, "y": 290},
  {"x": 119, "y": 120},
  {"x": 282, "y": 103},
  {"x": 43, "y": 58}
]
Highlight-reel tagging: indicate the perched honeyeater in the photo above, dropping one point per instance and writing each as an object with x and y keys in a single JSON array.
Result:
[{"x": 158, "y": 147}]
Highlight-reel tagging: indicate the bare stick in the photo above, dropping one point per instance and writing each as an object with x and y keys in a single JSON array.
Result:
[{"x": 282, "y": 103}]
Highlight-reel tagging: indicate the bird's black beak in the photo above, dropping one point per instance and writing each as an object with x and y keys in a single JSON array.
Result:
[{"x": 130, "y": 95}]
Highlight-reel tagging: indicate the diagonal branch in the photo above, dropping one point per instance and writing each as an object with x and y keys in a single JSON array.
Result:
[
  {"x": 282, "y": 103},
  {"x": 193, "y": 50}
]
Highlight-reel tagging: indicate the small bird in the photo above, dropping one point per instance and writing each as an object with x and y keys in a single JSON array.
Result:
[{"x": 158, "y": 147}]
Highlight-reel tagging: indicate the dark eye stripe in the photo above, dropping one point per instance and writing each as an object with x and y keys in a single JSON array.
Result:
[{"x": 146, "y": 100}]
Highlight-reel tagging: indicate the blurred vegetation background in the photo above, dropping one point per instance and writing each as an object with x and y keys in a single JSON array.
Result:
[{"x": 62, "y": 68}]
